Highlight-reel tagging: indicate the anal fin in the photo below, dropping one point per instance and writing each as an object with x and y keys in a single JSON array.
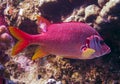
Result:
[{"x": 39, "y": 53}]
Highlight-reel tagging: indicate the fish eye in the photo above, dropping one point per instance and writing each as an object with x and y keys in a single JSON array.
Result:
[{"x": 101, "y": 42}]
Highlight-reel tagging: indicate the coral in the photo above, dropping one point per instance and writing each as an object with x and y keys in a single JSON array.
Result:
[
  {"x": 5, "y": 38},
  {"x": 101, "y": 3},
  {"x": 4, "y": 57},
  {"x": 2, "y": 17},
  {"x": 2, "y": 69},
  {"x": 108, "y": 13},
  {"x": 25, "y": 9},
  {"x": 77, "y": 15},
  {"x": 94, "y": 15},
  {"x": 76, "y": 77},
  {"x": 91, "y": 12},
  {"x": 84, "y": 14},
  {"x": 53, "y": 81},
  {"x": 23, "y": 62},
  {"x": 2, "y": 76}
]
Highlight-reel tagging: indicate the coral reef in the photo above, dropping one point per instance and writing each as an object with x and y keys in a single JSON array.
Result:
[
  {"x": 2, "y": 69},
  {"x": 108, "y": 13},
  {"x": 5, "y": 38},
  {"x": 23, "y": 62},
  {"x": 103, "y": 15},
  {"x": 91, "y": 12},
  {"x": 4, "y": 80}
]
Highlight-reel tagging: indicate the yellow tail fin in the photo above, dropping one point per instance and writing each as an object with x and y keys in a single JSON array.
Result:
[{"x": 24, "y": 40}]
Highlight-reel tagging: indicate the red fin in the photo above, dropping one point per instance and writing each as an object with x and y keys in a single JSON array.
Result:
[
  {"x": 20, "y": 45},
  {"x": 42, "y": 24},
  {"x": 23, "y": 38},
  {"x": 39, "y": 53}
]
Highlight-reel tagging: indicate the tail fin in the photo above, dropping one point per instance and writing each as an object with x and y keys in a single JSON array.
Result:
[{"x": 24, "y": 40}]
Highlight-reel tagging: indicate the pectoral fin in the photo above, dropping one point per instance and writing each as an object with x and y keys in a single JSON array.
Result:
[
  {"x": 87, "y": 53},
  {"x": 39, "y": 53}
]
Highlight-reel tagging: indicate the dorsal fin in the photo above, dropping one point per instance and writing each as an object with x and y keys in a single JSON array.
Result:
[{"x": 42, "y": 23}]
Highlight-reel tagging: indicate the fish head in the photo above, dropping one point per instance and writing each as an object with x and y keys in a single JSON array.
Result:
[{"x": 96, "y": 43}]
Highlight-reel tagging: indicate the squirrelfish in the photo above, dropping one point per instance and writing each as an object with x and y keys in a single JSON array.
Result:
[{"x": 74, "y": 40}]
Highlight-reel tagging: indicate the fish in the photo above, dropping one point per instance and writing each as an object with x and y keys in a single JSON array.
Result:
[{"x": 74, "y": 40}]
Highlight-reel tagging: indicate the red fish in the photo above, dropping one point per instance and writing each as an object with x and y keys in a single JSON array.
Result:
[{"x": 74, "y": 40}]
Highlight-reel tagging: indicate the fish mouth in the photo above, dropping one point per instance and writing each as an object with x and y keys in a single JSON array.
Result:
[{"x": 108, "y": 51}]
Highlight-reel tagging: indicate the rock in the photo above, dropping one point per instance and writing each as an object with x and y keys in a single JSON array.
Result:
[
  {"x": 3, "y": 29},
  {"x": 77, "y": 15},
  {"x": 101, "y": 3},
  {"x": 109, "y": 12},
  {"x": 53, "y": 81},
  {"x": 5, "y": 38},
  {"x": 91, "y": 13},
  {"x": 23, "y": 62},
  {"x": 2, "y": 69}
]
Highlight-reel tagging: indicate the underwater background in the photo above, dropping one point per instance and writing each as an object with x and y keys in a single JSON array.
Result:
[{"x": 103, "y": 15}]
